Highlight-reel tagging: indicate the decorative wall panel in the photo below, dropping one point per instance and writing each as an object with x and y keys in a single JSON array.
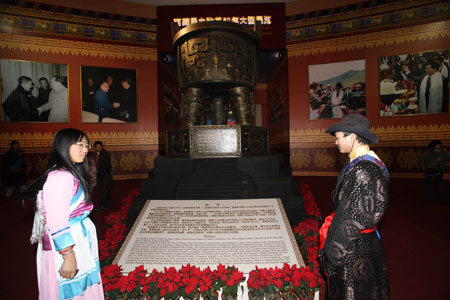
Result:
[
  {"x": 314, "y": 153},
  {"x": 27, "y": 16},
  {"x": 364, "y": 16},
  {"x": 372, "y": 39},
  {"x": 132, "y": 153},
  {"x": 76, "y": 48}
]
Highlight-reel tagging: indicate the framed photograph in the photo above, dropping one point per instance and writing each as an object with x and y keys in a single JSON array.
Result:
[
  {"x": 336, "y": 89},
  {"x": 109, "y": 95},
  {"x": 415, "y": 83},
  {"x": 34, "y": 91}
]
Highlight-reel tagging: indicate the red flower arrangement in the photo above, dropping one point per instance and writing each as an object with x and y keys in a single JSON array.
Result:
[
  {"x": 289, "y": 282},
  {"x": 190, "y": 282},
  {"x": 229, "y": 279}
]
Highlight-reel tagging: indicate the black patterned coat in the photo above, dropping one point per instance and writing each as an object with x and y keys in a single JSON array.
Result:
[{"x": 355, "y": 261}]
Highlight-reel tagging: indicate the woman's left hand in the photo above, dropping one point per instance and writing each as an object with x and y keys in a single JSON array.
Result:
[{"x": 69, "y": 267}]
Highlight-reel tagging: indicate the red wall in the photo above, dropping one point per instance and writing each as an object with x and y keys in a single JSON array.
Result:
[
  {"x": 133, "y": 146},
  {"x": 402, "y": 137}
]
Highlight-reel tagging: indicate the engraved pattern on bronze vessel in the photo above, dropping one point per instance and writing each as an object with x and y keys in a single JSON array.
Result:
[
  {"x": 192, "y": 102},
  {"x": 192, "y": 60},
  {"x": 176, "y": 142},
  {"x": 256, "y": 140},
  {"x": 217, "y": 56},
  {"x": 241, "y": 100}
]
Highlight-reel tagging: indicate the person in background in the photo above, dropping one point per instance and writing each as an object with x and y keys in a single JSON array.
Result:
[
  {"x": 58, "y": 103},
  {"x": 115, "y": 89},
  {"x": 431, "y": 92},
  {"x": 42, "y": 98},
  {"x": 104, "y": 108},
  {"x": 336, "y": 99},
  {"x": 88, "y": 95},
  {"x": 128, "y": 101},
  {"x": 443, "y": 69},
  {"x": 104, "y": 174},
  {"x": 432, "y": 161},
  {"x": 351, "y": 254},
  {"x": 14, "y": 169},
  {"x": 17, "y": 106},
  {"x": 356, "y": 99},
  {"x": 67, "y": 256}
]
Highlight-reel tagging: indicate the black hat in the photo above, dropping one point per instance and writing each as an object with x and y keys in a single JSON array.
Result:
[{"x": 354, "y": 123}]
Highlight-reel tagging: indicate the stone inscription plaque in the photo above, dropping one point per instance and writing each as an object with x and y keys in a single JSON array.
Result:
[
  {"x": 215, "y": 141},
  {"x": 245, "y": 233}
]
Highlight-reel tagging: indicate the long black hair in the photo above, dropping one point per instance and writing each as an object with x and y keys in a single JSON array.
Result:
[{"x": 60, "y": 159}]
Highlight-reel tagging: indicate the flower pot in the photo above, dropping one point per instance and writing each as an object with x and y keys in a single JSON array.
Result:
[
  {"x": 195, "y": 297},
  {"x": 273, "y": 296},
  {"x": 307, "y": 295},
  {"x": 215, "y": 296},
  {"x": 250, "y": 297},
  {"x": 229, "y": 297},
  {"x": 289, "y": 295}
]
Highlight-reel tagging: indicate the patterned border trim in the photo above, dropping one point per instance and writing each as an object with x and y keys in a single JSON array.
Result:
[
  {"x": 374, "y": 39},
  {"x": 68, "y": 47},
  {"x": 117, "y": 141},
  {"x": 335, "y": 174},
  {"x": 389, "y": 136},
  {"x": 351, "y": 10},
  {"x": 26, "y": 16},
  {"x": 130, "y": 176},
  {"x": 74, "y": 28},
  {"x": 406, "y": 12},
  {"x": 35, "y": 9}
]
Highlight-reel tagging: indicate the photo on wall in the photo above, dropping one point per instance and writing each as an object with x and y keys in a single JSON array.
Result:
[
  {"x": 413, "y": 84},
  {"x": 34, "y": 91},
  {"x": 109, "y": 95},
  {"x": 336, "y": 89}
]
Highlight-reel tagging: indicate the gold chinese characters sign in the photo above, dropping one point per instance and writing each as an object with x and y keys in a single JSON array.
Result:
[{"x": 247, "y": 20}]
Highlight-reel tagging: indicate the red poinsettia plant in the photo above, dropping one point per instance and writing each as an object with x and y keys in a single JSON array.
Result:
[
  {"x": 191, "y": 276},
  {"x": 131, "y": 285},
  {"x": 209, "y": 286},
  {"x": 289, "y": 282},
  {"x": 229, "y": 279},
  {"x": 110, "y": 277},
  {"x": 116, "y": 230},
  {"x": 256, "y": 284},
  {"x": 150, "y": 288}
]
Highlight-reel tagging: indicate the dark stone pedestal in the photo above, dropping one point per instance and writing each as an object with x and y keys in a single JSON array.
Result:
[{"x": 222, "y": 178}]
